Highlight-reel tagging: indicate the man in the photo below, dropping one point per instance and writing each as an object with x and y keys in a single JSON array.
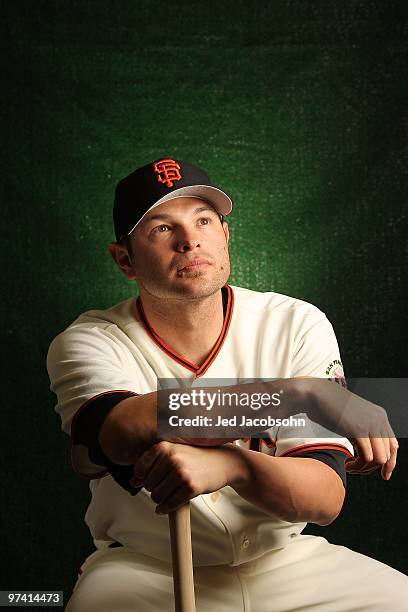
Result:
[{"x": 251, "y": 499}]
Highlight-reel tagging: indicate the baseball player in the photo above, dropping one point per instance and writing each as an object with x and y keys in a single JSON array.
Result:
[{"x": 250, "y": 499}]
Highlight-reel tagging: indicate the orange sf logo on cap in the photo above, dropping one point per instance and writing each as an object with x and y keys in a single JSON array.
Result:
[{"x": 168, "y": 171}]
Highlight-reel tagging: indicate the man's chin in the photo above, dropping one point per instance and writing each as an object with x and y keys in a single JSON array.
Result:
[{"x": 196, "y": 286}]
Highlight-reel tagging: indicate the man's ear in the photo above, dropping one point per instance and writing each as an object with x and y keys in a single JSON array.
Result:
[
  {"x": 120, "y": 256},
  {"x": 226, "y": 230}
]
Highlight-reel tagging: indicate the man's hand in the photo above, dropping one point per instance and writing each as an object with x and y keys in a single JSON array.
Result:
[
  {"x": 364, "y": 423},
  {"x": 373, "y": 453},
  {"x": 367, "y": 426},
  {"x": 175, "y": 473}
]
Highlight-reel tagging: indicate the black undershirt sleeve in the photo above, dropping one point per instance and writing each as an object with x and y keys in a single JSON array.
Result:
[
  {"x": 333, "y": 458},
  {"x": 86, "y": 431}
]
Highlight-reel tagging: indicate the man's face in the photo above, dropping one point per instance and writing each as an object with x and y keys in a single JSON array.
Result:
[{"x": 180, "y": 249}]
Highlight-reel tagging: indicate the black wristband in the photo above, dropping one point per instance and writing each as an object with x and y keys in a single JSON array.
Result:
[{"x": 86, "y": 431}]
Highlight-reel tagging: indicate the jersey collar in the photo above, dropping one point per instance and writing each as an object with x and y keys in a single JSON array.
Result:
[{"x": 198, "y": 370}]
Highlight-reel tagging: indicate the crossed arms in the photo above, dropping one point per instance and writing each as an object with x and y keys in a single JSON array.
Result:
[{"x": 291, "y": 488}]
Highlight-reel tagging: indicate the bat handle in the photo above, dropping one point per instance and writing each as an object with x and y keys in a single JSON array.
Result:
[{"x": 181, "y": 553}]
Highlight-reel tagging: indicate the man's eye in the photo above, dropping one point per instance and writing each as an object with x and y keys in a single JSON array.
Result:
[
  {"x": 205, "y": 220},
  {"x": 161, "y": 229}
]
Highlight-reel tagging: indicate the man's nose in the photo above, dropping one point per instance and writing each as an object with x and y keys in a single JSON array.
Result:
[{"x": 187, "y": 240}]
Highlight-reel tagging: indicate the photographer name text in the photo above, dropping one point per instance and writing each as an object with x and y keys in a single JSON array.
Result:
[{"x": 234, "y": 421}]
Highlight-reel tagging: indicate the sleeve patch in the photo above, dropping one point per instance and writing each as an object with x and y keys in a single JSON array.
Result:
[{"x": 335, "y": 372}]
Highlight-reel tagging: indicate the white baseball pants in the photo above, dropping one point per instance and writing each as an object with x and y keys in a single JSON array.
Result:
[{"x": 310, "y": 574}]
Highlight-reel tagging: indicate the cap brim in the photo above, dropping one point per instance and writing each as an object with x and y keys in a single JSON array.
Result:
[{"x": 214, "y": 196}]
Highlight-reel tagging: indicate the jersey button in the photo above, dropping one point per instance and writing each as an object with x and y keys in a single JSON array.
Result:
[
  {"x": 214, "y": 496},
  {"x": 245, "y": 543},
  {"x": 293, "y": 535}
]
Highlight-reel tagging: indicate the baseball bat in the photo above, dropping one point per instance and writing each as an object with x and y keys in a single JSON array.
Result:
[{"x": 181, "y": 554}]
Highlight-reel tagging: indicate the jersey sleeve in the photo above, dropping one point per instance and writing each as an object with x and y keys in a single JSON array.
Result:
[
  {"x": 90, "y": 371},
  {"x": 315, "y": 354}
]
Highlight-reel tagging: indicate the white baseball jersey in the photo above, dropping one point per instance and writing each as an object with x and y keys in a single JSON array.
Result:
[{"x": 105, "y": 353}]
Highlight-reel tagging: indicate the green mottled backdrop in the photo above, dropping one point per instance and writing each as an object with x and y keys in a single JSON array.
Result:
[{"x": 297, "y": 108}]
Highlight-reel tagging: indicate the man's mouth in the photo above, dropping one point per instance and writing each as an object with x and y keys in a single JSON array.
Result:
[{"x": 193, "y": 265}]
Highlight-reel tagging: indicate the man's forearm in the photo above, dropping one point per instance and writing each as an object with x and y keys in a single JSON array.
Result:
[
  {"x": 293, "y": 489},
  {"x": 129, "y": 429},
  {"x": 131, "y": 426}
]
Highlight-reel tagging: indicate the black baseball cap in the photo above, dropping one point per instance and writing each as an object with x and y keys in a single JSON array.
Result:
[{"x": 158, "y": 182}]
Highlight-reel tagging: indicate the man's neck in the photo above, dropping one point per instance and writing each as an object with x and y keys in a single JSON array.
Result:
[{"x": 189, "y": 327}]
